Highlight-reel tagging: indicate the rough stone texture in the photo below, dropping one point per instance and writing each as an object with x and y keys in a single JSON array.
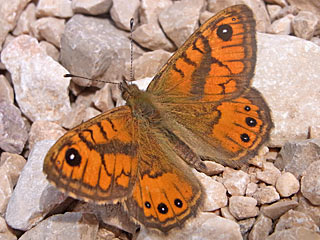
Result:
[
  {"x": 276, "y": 209},
  {"x": 150, "y": 10},
  {"x": 71, "y": 225},
  {"x": 29, "y": 65},
  {"x": 246, "y": 225},
  {"x": 93, "y": 7},
  {"x": 27, "y": 17},
  {"x": 282, "y": 26},
  {"x": 243, "y": 207},
  {"x": 281, "y": 3},
  {"x": 251, "y": 189},
  {"x": 227, "y": 214},
  {"x": 6, "y": 91},
  {"x": 180, "y": 20},
  {"x": 235, "y": 181},
  {"x": 287, "y": 184},
  {"x": 50, "y": 49},
  {"x": 298, "y": 233},
  {"x": 309, "y": 5},
  {"x": 269, "y": 173},
  {"x": 213, "y": 168},
  {"x": 121, "y": 14},
  {"x": 25, "y": 210},
  {"x": 304, "y": 24},
  {"x": 57, "y": 8},
  {"x": 311, "y": 210},
  {"x": 5, "y": 233},
  {"x": 310, "y": 184},
  {"x": 13, "y": 130},
  {"x": 266, "y": 194},
  {"x": 261, "y": 228},
  {"x": 206, "y": 226},
  {"x": 274, "y": 11},
  {"x": 279, "y": 82}
]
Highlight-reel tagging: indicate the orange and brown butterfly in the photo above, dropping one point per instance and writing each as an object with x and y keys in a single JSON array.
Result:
[{"x": 200, "y": 106}]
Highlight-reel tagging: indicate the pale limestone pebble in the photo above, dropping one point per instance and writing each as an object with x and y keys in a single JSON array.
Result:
[
  {"x": 150, "y": 10},
  {"x": 148, "y": 64},
  {"x": 105, "y": 234},
  {"x": 75, "y": 89},
  {"x": 296, "y": 156},
  {"x": 13, "y": 130},
  {"x": 310, "y": 5},
  {"x": 304, "y": 24},
  {"x": 40, "y": 88},
  {"x": 152, "y": 37},
  {"x": 5, "y": 233},
  {"x": 180, "y": 20},
  {"x": 103, "y": 99},
  {"x": 260, "y": 158},
  {"x": 6, "y": 90},
  {"x": 279, "y": 82},
  {"x": 121, "y": 12},
  {"x": 315, "y": 40},
  {"x": 216, "y": 194},
  {"x": 49, "y": 29},
  {"x": 93, "y": 7},
  {"x": 251, "y": 189},
  {"x": 282, "y": 26},
  {"x": 281, "y": 3},
  {"x": 226, "y": 214},
  {"x": 266, "y": 194},
  {"x": 243, "y": 207},
  {"x": 9, "y": 15},
  {"x": 44, "y": 130},
  {"x": 67, "y": 226},
  {"x": 57, "y": 8},
  {"x": 50, "y": 49},
  {"x": 27, "y": 17},
  {"x": 261, "y": 228},
  {"x": 26, "y": 210},
  {"x": 235, "y": 181},
  {"x": 287, "y": 184},
  {"x": 269, "y": 173},
  {"x": 274, "y": 11},
  {"x": 271, "y": 156},
  {"x": 85, "y": 95},
  {"x": 246, "y": 225},
  {"x": 276, "y": 209},
  {"x": 205, "y": 226},
  {"x": 298, "y": 233},
  {"x": 294, "y": 219},
  {"x": 257, "y": 6},
  {"x": 10, "y": 168},
  {"x": 94, "y": 48},
  {"x": 204, "y": 16},
  {"x": 213, "y": 168},
  {"x": 311, "y": 210},
  {"x": 310, "y": 184},
  {"x": 252, "y": 172}
]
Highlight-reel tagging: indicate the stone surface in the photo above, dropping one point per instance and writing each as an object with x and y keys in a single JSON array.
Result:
[
  {"x": 121, "y": 13},
  {"x": 261, "y": 228},
  {"x": 246, "y": 225},
  {"x": 5, "y": 233},
  {"x": 213, "y": 168},
  {"x": 25, "y": 210},
  {"x": 310, "y": 184},
  {"x": 282, "y": 26},
  {"x": 243, "y": 207},
  {"x": 66, "y": 226},
  {"x": 266, "y": 194},
  {"x": 93, "y": 7},
  {"x": 276, "y": 209},
  {"x": 281, "y": 3},
  {"x": 311, "y": 210},
  {"x": 269, "y": 173},
  {"x": 206, "y": 226},
  {"x": 40, "y": 88},
  {"x": 50, "y": 49},
  {"x": 274, "y": 11},
  {"x": 251, "y": 189},
  {"x": 27, "y": 17},
  {"x": 309, "y": 5},
  {"x": 235, "y": 181},
  {"x": 287, "y": 184},
  {"x": 304, "y": 24},
  {"x": 279, "y": 82},
  {"x": 180, "y": 20},
  {"x": 57, "y": 8},
  {"x": 150, "y": 10},
  {"x": 6, "y": 90},
  {"x": 49, "y": 29},
  {"x": 298, "y": 233},
  {"x": 13, "y": 129}
]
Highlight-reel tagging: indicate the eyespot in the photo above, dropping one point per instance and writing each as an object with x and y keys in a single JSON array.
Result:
[
  {"x": 178, "y": 203},
  {"x": 73, "y": 157},
  {"x": 247, "y": 108},
  {"x": 225, "y": 32},
  {"x": 251, "y": 122},
  {"x": 162, "y": 208},
  {"x": 233, "y": 19},
  {"x": 147, "y": 204},
  {"x": 244, "y": 137}
]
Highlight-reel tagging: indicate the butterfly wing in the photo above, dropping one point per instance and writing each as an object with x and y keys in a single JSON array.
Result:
[
  {"x": 216, "y": 63},
  {"x": 96, "y": 161}
]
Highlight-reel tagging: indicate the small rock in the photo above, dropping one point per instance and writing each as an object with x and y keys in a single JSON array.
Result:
[
  {"x": 93, "y": 7},
  {"x": 294, "y": 234},
  {"x": 27, "y": 17},
  {"x": 251, "y": 189},
  {"x": 104, "y": 100},
  {"x": 304, "y": 24},
  {"x": 287, "y": 184},
  {"x": 282, "y": 26},
  {"x": 71, "y": 225},
  {"x": 243, "y": 207},
  {"x": 311, "y": 210},
  {"x": 121, "y": 12},
  {"x": 269, "y": 174},
  {"x": 150, "y": 10},
  {"x": 235, "y": 181},
  {"x": 281, "y": 3},
  {"x": 261, "y": 228},
  {"x": 310, "y": 184},
  {"x": 204, "y": 16},
  {"x": 246, "y": 225},
  {"x": 13, "y": 130},
  {"x": 315, "y": 40},
  {"x": 266, "y": 194},
  {"x": 274, "y": 11},
  {"x": 5, "y": 233},
  {"x": 6, "y": 91},
  {"x": 226, "y": 214},
  {"x": 213, "y": 168},
  {"x": 57, "y": 8},
  {"x": 276, "y": 209},
  {"x": 51, "y": 50}
]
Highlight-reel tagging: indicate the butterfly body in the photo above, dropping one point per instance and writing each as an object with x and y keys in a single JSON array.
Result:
[{"x": 200, "y": 106}]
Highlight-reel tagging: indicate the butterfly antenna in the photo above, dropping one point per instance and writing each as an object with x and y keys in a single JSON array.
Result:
[
  {"x": 96, "y": 80},
  {"x": 131, "y": 50}
]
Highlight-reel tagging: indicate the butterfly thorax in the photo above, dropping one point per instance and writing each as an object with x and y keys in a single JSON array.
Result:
[{"x": 141, "y": 104}]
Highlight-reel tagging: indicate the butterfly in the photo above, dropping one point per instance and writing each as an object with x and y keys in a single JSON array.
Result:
[{"x": 200, "y": 106}]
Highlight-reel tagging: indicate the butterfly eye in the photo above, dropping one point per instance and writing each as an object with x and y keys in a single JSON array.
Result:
[
  {"x": 162, "y": 208},
  {"x": 73, "y": 157},
  {"x": 178, "y": 203},
  {"x": 251, "y": 122},
  {"x": 225, "y": 32}
]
